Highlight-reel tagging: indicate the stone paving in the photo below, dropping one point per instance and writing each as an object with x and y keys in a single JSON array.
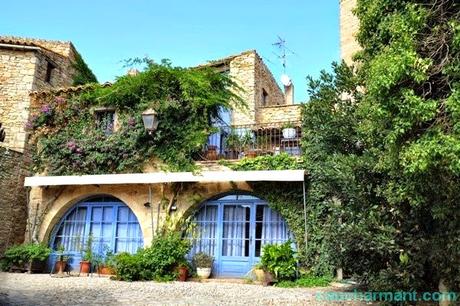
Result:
[{"x": 41, "y": 289}]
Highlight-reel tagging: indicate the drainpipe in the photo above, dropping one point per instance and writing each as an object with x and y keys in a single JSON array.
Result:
[
  {"x": 151, "y": 210},
  {"x": 305, "y": 213}
]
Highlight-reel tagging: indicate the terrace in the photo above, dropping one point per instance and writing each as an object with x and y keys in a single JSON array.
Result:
[{"x": 232, "y": 142}]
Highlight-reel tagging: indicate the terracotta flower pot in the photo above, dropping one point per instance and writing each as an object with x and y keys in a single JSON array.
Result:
[
  {"x": 105, "y": 270},
  {"x": 85, "y": 267},
  {"x": 211, "y": 153},
  {"x": 60, "y": 266},
  {"x": 183, "y": 273}
]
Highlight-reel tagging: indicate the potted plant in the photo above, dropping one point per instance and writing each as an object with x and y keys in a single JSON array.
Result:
[
  {"x": 278, "y": 262},
  {"x": 87, "y": 256},
  {"x": 203, "y": 263},
  {"x": 183, "y": 271},
  {"x": 259, "y": 273},
  {"x": 61, "y": 263},
  {"x": 107, "y": 263},
  {"x": 211, "y": 152},
  {"x": 289, "y": 131},
  {"x": 233, "y": 144},
  {"x": 15, "y": 258},
  {"x": 247, "y": 142},
  {"x": 36, "y": 254}
]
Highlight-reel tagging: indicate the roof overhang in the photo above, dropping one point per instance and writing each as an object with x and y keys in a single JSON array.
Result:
[{"x": 168, "y": 177}]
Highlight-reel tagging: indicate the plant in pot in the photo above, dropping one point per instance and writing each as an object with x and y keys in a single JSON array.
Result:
[
  {"x": 183, "y": 269},
  {"x": 247, "y": 142},
  {"x": 289, "y": 131},
  {"x": 86, "y": 255},
  {"x": 61, "y": 263},
  {"x": 106, "y": 266},
  {"x": 203, "y": 263},
  {"x": 278, "y": 262},
  {"x": 258, "y": 272},
  {"x": 15, "y": 258},
  {"x": 233, "y": 144},
  {"x": 37, "y": 254}
]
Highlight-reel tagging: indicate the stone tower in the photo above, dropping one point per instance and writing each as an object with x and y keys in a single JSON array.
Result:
[
  {"x": 349, "y": 25},
  {"x": 25, "y": 65}
]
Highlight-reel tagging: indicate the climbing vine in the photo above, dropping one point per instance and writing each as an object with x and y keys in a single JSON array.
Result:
[
  {"x": 69, "y": 138},
  {"x": 83, "y": 74}
]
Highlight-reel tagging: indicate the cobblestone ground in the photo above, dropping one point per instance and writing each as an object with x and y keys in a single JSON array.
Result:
[{"x": 41, "y": 289}]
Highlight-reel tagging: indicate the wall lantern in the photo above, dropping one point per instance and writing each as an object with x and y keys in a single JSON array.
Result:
[{"x": 150, "y": 119}]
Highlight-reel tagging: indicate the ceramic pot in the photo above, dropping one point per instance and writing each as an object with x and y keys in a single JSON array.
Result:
[
  {"x": 289, "y": 133},
  {"x": 203, "y": 272},
  {"x": 183, "y": 273},
  {"x": 85, "y": 267}
]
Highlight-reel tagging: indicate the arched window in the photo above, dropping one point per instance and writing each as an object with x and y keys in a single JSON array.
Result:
[
  {"x": 109, "y": 221},
  {"x": 234, "y": 229}
]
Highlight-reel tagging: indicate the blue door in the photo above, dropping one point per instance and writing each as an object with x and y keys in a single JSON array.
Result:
[
  {"x": 111, "y": 223},
  {"x": 234, "y": 229}
]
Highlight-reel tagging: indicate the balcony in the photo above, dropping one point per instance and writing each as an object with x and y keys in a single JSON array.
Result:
[{"x": 239, "y": 141}]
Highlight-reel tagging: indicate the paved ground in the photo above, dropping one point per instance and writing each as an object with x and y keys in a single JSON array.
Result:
[{"x": 41, "y": 289}]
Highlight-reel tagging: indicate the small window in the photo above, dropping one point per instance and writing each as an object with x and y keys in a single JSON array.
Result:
[
  {"x": 264, "y": 97},
  {"x": 105, "y": 120},
  {"x": 49, "y": 71}
]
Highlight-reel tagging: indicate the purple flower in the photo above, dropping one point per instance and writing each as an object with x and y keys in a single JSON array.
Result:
[
  {"x": 46, "y": 109},
  {"x": 71, "y": 145},
  {"x": 59, "y": 100}
]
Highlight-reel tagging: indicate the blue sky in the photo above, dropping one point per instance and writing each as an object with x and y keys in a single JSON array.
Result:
[{"x": 186, "y": 32}]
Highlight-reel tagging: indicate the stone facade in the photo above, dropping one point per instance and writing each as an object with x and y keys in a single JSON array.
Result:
[
  {"x": 13, "y": 210},
  {"x": 48, "y": 205},
  {"x": 349, "y": 26},
  {"x": 259, "y": 90},
  {"x": 279, "y": 114},
  {"x": 25, "y": 65}
]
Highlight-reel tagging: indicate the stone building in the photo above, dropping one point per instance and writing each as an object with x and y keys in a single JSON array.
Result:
[
  {"x": 349, "y": 25},
  {"x": 123, "y": 211},
  {"x": 26, "y": 65}
]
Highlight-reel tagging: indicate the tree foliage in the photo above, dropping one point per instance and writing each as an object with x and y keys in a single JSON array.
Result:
[{"x": 382, "y": 144}]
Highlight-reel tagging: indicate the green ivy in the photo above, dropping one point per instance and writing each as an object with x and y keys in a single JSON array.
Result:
[
  {"x": 83, "y": 73},
  {"x": 67, "y": 140}
]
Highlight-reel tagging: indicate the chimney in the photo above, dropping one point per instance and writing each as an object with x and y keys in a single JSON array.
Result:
[
  {"x": 289, "y": 94},
  {"x": 133, "y": 72}
]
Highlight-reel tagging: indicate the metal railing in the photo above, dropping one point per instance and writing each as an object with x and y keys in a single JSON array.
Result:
[{"x": 239, "y": 141}]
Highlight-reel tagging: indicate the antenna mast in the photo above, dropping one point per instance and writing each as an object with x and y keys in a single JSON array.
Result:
[{"x": 283, "y": 50}]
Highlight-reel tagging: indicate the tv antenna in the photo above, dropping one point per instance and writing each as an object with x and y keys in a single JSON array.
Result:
[{"x": 283, "y": 51}]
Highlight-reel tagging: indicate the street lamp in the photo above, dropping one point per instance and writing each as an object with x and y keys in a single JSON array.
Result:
[{"x": 150, "y": 119}]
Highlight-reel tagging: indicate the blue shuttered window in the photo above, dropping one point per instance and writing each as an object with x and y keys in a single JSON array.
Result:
[{"x": 111, "y": 223}]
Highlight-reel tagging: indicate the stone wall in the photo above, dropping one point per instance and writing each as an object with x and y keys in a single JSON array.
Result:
[
  {"x": 17, "y": 71},
  {"x": 48, "y": 205},
  {"x": 349, "y": 26},
  {"x": 242, "y": 73},
  {"x": 23, "y": 71},
  {"x": 279, "y": 113},
  {"x": 266, "y": 81},
  {"x": 13, "y": 212}
]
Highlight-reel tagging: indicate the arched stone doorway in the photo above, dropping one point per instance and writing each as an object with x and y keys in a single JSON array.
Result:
[
  {"x": 233, "y": 229},
  {"x": 111, "y": 223}
]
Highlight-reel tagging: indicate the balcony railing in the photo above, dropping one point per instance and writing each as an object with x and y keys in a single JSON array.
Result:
[{"x": 239, "y": 141}]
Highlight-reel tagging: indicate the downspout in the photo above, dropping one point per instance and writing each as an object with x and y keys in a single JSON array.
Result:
[
  {"x": 151, "y": 210},
  {"x": 305, "y": 213}
]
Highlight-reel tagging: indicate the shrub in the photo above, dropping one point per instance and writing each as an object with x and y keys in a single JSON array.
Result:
[
  {"x": 127, "y": 267},
  {"x": 279, "y": 259},
  {"x": 202, "y": 260},
  {"x": 20, "y": 254},
  {"x": 306, "y": 281},
  {"x": 157, "y": 262}
]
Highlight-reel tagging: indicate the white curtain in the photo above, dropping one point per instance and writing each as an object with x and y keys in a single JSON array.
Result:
[
  {"x": 274, "y": 229},
  {"x": 234, "y": 230}
]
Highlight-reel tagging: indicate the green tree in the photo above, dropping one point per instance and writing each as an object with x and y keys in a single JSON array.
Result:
[{"x": 388, "y": 154}]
